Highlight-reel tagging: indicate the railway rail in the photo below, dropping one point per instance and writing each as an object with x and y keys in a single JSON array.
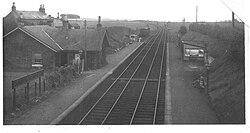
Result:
[{"x": 133, "y": 94}]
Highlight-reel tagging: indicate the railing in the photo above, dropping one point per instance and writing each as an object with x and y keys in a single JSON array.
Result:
[{"x": 27, "y": 79}]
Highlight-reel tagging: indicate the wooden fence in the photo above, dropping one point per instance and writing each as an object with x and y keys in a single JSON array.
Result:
[{"x": 26, "y": 80}]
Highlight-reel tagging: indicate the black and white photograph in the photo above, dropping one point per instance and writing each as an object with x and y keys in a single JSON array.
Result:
[{"x": 134, "y": 63}]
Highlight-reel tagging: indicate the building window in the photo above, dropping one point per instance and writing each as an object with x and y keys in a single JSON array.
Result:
[{"x": 37, "y": 60}]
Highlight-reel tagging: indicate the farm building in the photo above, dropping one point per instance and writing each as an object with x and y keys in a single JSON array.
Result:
[
  {"x": 25, "y": 18},
  {"x": 192, "y": 50},
  {"x": 42, "y": 44}
]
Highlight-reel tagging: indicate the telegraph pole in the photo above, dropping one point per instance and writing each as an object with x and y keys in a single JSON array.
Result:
[
  {"x": 85, "y": 44},
  {"x": 232, "y": 19},
  {"x": 196, "y": 14}
]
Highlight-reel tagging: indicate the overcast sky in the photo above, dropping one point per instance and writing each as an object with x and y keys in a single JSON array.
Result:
[{"x": 159, "y": 10}]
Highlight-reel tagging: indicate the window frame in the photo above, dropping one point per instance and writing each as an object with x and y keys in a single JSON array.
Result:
[{"x": 37, "y": 59}]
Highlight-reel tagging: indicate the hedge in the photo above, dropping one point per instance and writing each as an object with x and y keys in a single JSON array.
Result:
[
  {"x": 231, "y": 35},
  {"x": 61, "y": 75}
]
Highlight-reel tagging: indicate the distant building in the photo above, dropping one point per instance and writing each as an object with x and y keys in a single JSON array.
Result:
[
  {"x": 70, "y": 16},
  {"x": 25, "y": 18},
  {"x": 53, "y": 47},
  {"x": 72, "y": 21},
  {"x": 74, "y": 25},
  {"x": 133, "y": 38}
]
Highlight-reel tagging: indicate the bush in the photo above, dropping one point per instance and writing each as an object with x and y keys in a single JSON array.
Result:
[
  {"x": 53, "y": 79},
  {"x": 233, "y": 36},
  {"x": 183, "y": 30},
  {"x": 61, "y": 75}
]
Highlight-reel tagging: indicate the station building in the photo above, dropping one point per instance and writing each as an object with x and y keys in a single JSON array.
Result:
[{"x": 26, "y": 46}]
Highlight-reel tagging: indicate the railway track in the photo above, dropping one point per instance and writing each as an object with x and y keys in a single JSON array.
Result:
[{"x": 133, "y": 94}]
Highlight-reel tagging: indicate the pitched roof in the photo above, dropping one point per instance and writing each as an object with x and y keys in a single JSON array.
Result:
[
  {"x": 30, "y": 14},
  {"x": 39, "y": 33},
  {"x": 193, "y": 43},
  {"x": 59, "y": 39}
]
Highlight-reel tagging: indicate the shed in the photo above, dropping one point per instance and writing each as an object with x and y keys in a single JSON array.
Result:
[{"x": 193, "y": 50}]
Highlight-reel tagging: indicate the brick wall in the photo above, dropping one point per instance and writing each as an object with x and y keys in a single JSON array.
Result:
[
  {"x": 9, "y": 23},
  {"x": 19, "y": 47}
]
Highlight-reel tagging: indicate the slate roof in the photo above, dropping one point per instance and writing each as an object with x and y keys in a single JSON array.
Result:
[
  {"x": 73, "y": 39},
  {"x": 30, "y": 14},
  {"x": 39, "y": 33},
  {"x": 193, "y": 43},
  {"x": 59, "y": 39}
]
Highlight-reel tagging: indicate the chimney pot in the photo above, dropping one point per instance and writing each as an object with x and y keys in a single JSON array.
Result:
[
  {"x": 13, "y": 7},
  {"x": 99, "y": 19},
  {"x": 99, "y": 25},
  {"x": 65, "y": 22},
  {"x": 42, "y": 9}
]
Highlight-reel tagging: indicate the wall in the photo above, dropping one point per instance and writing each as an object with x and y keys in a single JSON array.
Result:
[
  {"x": 18, "y": 48},
  {"x": 9, "y": 23}
]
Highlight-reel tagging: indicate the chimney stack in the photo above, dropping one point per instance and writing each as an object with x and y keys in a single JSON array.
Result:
[
  {"x": 65, "y": 21},
  {"x": 42, "y": 9},
  {"x": 13, "y": 8},
  {"x": 99, "y": 25}
]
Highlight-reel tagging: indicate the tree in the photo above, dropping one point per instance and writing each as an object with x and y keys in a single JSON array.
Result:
[{"x": 183, "y": 30}]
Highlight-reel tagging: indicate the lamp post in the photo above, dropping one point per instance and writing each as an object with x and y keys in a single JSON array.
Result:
[{"x": 82, "y": 67}]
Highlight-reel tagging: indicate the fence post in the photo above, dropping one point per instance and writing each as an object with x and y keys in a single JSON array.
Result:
[
  {"x": 35, "y": 89},
  {"x": 59, "y": 80},
  {"x": 25, "y": 93},
  {"x": 39, "y": 86},
  {"x": 44, "y": 84},
  {"x": 28, "y": 89},
  {"x": 14, "y": 95}
]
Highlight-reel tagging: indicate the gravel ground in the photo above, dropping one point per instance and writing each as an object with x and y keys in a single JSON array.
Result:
[
  {"x": 46, "y": 111},
  {"x": 189, "y": 105}
]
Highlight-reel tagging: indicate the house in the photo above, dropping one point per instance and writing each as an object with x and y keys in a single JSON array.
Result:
[
  {"x": 70, "y": 16},
  {"x": 25, "y": 18},
  {"x": 72, "y": 19},
  {"x": 72, "y": 24},
  {"x": 193, "y": 50},
  {"x": 26, "y": 46}
]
